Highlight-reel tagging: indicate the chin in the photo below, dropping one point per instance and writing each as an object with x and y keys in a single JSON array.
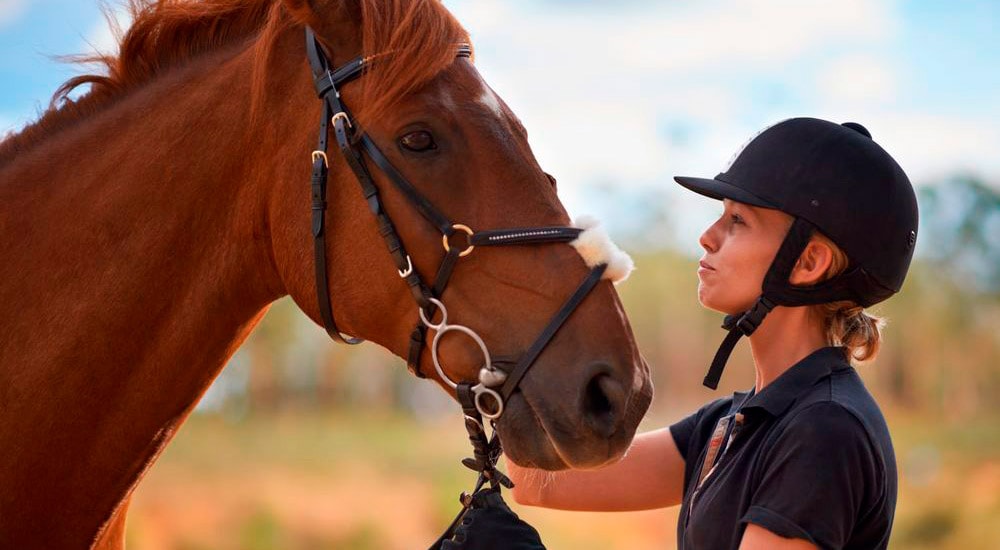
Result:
[{"x": 723, "y": 306}]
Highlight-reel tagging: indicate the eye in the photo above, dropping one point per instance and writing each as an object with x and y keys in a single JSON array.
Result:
[
  {"x": 418, "y": 141},
  {"x": 736, "y": 219}
]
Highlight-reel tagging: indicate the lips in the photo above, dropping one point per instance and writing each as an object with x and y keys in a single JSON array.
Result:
[{"x": 704, "y": 265}]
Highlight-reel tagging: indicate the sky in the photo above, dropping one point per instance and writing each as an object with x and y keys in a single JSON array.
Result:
[{"x": 620, "y": 96}]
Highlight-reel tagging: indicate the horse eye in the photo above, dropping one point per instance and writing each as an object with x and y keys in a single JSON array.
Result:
[{"x": 418, "y": 141}]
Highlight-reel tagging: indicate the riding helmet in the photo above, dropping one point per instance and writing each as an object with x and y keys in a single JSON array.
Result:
[{"x": 832, "y": 178}]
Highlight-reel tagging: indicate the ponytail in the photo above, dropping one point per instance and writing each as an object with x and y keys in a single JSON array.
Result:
[{"x": 846, "y": 323}]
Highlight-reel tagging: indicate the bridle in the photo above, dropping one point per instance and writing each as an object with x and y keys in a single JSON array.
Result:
[
  {"x": 495, "y": 383},
  {"x": 487, "y": 395}
]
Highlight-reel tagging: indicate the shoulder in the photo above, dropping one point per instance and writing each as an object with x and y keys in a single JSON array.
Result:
[
  {"x": 840, "y": 407},
  {"x": 823, "y": 421},
  {"x": 834, "y": 435}
]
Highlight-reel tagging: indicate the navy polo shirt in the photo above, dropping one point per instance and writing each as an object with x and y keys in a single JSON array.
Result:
[{"x": 810, "y": 458}]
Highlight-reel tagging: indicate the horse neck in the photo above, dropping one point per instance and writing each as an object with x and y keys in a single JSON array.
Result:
[{"x": 136, "y": 260}]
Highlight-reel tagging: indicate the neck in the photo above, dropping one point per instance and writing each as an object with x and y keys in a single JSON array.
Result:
[
  {"x": 787, "y": 335},
  {"x": 136, "y": 260}
]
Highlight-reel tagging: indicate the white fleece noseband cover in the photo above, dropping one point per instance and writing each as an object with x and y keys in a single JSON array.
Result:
[{"x": 596, "y": 247}]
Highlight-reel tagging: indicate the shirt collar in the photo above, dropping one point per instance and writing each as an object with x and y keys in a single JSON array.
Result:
[{"x": 777, "y": 396}]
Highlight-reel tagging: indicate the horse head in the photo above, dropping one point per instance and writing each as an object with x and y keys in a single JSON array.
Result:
[{"x": 436, "y": 122}]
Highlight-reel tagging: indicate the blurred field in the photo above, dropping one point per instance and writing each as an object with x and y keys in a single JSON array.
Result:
[{"x": 364, "y": 481}]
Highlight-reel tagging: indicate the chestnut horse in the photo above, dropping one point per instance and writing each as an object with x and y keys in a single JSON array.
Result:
[{"x": 146, "y": 226}]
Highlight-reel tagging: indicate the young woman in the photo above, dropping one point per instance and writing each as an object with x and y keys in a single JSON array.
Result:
[{"x": 818, "y": 223}]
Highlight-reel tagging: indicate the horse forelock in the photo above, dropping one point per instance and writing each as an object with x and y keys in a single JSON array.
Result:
[{"x": 413, "y": 40}]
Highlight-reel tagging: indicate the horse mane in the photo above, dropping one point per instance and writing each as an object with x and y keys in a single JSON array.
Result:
[{"x": 419, "y": 36}]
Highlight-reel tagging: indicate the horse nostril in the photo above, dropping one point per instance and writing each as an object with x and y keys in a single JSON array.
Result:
[{"x": 602, "y": 401}]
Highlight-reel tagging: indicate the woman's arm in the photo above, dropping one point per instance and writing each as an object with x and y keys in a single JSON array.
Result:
[{"x": 651, "y": 475}]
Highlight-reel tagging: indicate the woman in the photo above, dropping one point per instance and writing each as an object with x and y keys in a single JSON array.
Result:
[{"x": 818, "y": 223}]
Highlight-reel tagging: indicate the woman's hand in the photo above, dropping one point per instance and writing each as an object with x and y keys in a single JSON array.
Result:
[{"x": 650, "y": 475}]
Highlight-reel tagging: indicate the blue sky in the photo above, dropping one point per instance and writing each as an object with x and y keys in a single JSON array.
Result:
[{"x": 620, "y": 96}]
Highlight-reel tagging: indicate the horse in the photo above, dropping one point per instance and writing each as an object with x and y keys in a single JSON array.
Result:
[{"x": 147, "y": 225}]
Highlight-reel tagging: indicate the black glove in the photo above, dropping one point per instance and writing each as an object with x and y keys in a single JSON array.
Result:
[{"x": 489, "y": 524}]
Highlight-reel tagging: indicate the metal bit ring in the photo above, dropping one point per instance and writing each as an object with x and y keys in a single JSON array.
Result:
[
  {"x": 464, "y": 330},
  {"x": 480, "y": 390},
  {"x": 444, "y": 316}
]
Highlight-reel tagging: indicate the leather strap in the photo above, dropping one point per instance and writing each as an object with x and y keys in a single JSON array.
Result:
[
  {"x": 738, "y": 326},
  {"x": 514, "y": 377},
  {"x": 318, "y": 185},
  {"x": 426, "y": 209}
]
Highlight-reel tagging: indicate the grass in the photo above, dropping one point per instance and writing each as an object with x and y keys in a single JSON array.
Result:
[{"x": 379, "y": 481}]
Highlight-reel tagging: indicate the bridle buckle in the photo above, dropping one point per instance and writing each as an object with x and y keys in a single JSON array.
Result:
[
  {"x": 342, "y": 116},
  {"x": 404, "y": 273},
  {"x": 321, "y": 155}
]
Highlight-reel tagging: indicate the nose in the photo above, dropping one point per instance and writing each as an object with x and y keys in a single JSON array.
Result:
[
  {"x": 706, "y": 240},
  {"x": 603, "y": 401}
]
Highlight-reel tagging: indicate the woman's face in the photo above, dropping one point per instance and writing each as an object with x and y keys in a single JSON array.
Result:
[{"x": 739, "y": 248}]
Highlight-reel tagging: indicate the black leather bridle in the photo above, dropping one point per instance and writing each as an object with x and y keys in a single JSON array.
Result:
[{"x": 488, "y": 395}]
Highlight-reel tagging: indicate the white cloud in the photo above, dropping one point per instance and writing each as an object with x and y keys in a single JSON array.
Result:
[
  {"x": 738, "y": 33},
  {"x": 102, "y": 34},
  {"x": 604, "y": 91},
  {"x": 670, "y": 37},
  {"x": 596, "y": 87},
  {"x": 930, "y": 146},
  {"x": 11, "y": 11},
  {"x": 858, "y": 79}
]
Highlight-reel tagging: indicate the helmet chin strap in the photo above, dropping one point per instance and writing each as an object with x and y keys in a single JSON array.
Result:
[{"x": 738, "y": 326}]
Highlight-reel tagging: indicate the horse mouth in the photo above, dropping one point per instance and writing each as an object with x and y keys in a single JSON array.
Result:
[
  {"x": 533, "y": 436},
  {"x": 524, "y": 438}
]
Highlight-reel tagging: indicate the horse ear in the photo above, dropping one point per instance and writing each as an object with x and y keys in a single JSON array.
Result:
[{"x": 336, "y": 22}]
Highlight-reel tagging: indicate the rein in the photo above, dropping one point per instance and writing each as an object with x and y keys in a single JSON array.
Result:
[{"x": 487, "y": 396}]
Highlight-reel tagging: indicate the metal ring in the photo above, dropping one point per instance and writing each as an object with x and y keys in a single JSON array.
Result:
[
  {"x": 404, "y": 273},
  {"x": 321, "y": 155},
  {"x": 468, "y": 332},
  {"x": 483, "y": 390},
  {"x": 444, "y": 315},
  {"x": 343, "y": 115},
  {"x": 468, "y": 231}
]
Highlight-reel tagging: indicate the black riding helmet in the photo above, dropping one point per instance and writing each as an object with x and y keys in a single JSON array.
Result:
[{"x": 833, "y": 178}]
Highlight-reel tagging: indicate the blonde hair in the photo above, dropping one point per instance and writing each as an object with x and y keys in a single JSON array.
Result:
[{"x": 845, "y": 322}]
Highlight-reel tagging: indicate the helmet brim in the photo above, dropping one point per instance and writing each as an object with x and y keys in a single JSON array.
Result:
[{"x": 718, "y": 190}]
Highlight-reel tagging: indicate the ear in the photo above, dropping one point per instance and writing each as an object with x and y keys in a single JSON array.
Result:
[
  {"x": 812, "y": 264},
  {"x": 337, "y": 23}
]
